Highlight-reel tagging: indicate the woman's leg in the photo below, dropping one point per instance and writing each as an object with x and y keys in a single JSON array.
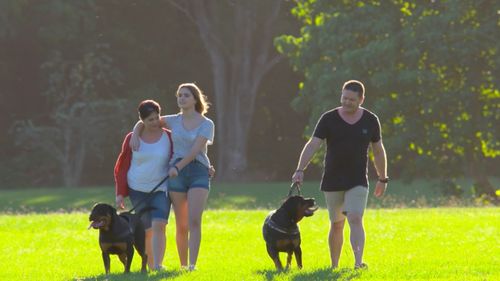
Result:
[
  {"x": 197, "y": 198},
  {"x": 180, "y": 204},
  {"x": 158, "y": 242},
  {"x": 149, "y": 248}
]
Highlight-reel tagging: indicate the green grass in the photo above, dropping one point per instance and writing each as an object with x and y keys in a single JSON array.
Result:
[
  {"x": 44, "y": 237},
  {"x": 231, "y": 196},
  {"x": 402, "y": 244}
]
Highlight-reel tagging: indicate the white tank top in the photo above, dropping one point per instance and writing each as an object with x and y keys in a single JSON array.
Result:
[{"x": 149, "y": 165}]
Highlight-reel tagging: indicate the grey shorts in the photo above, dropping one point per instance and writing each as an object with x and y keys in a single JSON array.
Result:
[{"x": 341, "y": 203}]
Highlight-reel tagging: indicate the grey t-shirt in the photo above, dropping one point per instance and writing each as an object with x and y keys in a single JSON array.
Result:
[{"x": 184, "y": 139}]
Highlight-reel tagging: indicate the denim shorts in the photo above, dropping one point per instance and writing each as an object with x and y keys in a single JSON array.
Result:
[
  {"x": 195, "y": 174},
  {"x": 159, "y": 200}
]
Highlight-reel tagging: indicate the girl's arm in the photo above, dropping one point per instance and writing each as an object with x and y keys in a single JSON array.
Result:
[{"x": 199, "y": 144}]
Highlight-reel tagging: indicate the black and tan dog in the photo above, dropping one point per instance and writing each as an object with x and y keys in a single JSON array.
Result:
[
  {"x": 118, "y": 234},
  {"x": 281, "y": 231}
]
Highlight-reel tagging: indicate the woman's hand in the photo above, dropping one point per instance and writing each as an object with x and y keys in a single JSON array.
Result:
[{"x": 120, "y": 203}]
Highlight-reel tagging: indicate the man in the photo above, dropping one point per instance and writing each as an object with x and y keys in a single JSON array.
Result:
[{"x": 348, "y": 131}]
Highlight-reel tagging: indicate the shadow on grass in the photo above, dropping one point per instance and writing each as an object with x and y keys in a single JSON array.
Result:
[
  {"x": 135, "y": 276},
  {"x": 343, "y": 274}
]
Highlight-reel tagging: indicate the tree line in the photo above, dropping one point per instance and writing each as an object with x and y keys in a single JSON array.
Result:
[{"x": 72, "y": 73}]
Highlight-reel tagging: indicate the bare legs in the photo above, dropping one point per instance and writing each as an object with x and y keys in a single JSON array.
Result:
[
  {"x": 155, "y": 244},
  {"x": 357, "y": 238},
  {"x": 335, "y": 241},
  {"x": 188, "y": 208}
]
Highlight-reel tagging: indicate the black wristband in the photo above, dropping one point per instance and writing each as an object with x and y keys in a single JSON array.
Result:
[
  {"x": 384, "y": 180},
  {"x": 177, "y": 169}
]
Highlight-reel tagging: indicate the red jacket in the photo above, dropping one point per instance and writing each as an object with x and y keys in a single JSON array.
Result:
[{"x": 123, "y": 164}]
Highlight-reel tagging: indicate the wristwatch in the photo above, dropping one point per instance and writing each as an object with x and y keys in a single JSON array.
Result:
[{"x": 384, "y": 180}]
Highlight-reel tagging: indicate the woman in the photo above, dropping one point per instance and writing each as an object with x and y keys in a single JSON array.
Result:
[
  {"x": 189, "y": 181},
  {"x": 138, "y": 172}
]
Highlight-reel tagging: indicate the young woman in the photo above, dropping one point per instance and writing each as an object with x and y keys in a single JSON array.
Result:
[
  {"x": 189, "y": 181},
  {"x": 138, "y": 172}
]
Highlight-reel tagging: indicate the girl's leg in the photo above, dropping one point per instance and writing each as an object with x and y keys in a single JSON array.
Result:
[
  {"x": 180, "y": 204},
  {"x": 197, "y": 198}
]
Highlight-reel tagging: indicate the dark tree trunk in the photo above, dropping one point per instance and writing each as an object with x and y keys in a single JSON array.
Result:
[{"x": 238, "y": 66}]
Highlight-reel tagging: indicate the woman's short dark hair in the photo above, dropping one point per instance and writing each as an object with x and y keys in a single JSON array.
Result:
[
  {"x": 355, "y": 86},
  {"x": 147, "y": 107}
]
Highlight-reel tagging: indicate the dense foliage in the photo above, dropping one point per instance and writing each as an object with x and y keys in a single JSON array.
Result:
[{"x": 431, "y": 72}]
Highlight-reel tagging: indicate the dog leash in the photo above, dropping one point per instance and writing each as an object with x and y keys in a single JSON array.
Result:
[
  {"x": 149, "y": 194},
  {"x": 294, "y": 186}
]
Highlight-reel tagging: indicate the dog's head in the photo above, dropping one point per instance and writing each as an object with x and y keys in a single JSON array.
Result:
[
  {"x": 101, "y": 216},
  {"x": 299, "y": 207}
]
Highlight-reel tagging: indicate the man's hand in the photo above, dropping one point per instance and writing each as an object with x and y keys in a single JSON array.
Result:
[
  {"x": 120, "y": 202},
  {"x": 380, "y": 189},
  {"x": 298, "y": 177}
]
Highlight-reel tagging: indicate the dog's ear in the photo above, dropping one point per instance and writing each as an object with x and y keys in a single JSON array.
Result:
[
  {"x": 291, "y": 205},
  {"x": 112, "y": 210}
]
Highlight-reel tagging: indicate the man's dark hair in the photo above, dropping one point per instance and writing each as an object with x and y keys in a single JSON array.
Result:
[
  {"x": 146, "y": 107},
  {"x": 355, "y": 86}
]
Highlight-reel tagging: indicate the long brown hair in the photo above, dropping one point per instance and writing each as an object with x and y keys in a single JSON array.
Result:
[{"x": 202, "y": 104}]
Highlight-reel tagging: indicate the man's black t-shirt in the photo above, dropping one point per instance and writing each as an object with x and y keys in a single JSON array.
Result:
[{"x": 346, "y": 158}]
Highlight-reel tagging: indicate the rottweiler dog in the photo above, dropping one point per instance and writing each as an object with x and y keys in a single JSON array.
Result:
[
  {"x": 281, "y": 231},
  {"x": 119, "y": 234}
]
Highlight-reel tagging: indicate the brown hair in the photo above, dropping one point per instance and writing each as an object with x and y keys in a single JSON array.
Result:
[
  {"x": 202, "y": 104},
  {"x": 355, "y": 86},
  {"x": 146, "y": 107}
]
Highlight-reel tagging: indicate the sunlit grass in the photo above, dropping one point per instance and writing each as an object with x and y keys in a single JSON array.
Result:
[{"x": 402, "y": 244}]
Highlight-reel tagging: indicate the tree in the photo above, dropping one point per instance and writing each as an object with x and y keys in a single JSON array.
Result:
[
  {"x": 240, "y": 51},
  {"x": 429, "y": 70},
  {"x": 80, "y": 114}
]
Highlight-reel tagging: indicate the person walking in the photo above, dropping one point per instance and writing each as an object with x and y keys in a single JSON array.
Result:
[
  {"x": 138, "y": 172},
  {"x": 190, "y": 168},
  {"x": 348, "y": 131}
]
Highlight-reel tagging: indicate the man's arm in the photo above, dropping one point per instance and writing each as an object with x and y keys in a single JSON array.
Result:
[
  {"x": 380, "y": 161},
  {"x": 305, "y": 157}
]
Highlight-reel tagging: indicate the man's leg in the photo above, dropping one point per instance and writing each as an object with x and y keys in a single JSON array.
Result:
[
  {"x": 357, "y": 236},
  {"x": 335, "y": 241},
  {"x": 334, "y": 202},
  {"x": 355, "y": 204}
]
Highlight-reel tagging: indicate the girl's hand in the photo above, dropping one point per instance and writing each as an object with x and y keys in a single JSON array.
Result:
[
  {"x": 172, "y": 172},
  {"x": 135, "y": 142},
  {"x": 211, "y": 171}
]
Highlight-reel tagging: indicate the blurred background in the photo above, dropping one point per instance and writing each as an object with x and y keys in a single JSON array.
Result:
[{"x": 73, "y": 72}]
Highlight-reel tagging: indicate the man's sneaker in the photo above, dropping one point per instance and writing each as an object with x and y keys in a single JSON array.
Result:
[
  {"x": 361, "y": 266},
  {"x": 160, "y": 268},
  {"x": 192, "y": 267}
]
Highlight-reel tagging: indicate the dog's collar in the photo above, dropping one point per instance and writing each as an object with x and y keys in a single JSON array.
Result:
[{"x": 273, "y": 225}]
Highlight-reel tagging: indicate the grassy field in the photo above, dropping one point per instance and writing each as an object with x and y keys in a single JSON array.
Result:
[
  {"x": 232, "y": 196},
  {"x": 403, "y": 244},
  {"x": 44, "y": 237}
]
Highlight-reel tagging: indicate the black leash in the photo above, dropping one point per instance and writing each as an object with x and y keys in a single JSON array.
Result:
[
  {"x": 149, "y": 194},
  {"x": 294, "y": 186}
]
